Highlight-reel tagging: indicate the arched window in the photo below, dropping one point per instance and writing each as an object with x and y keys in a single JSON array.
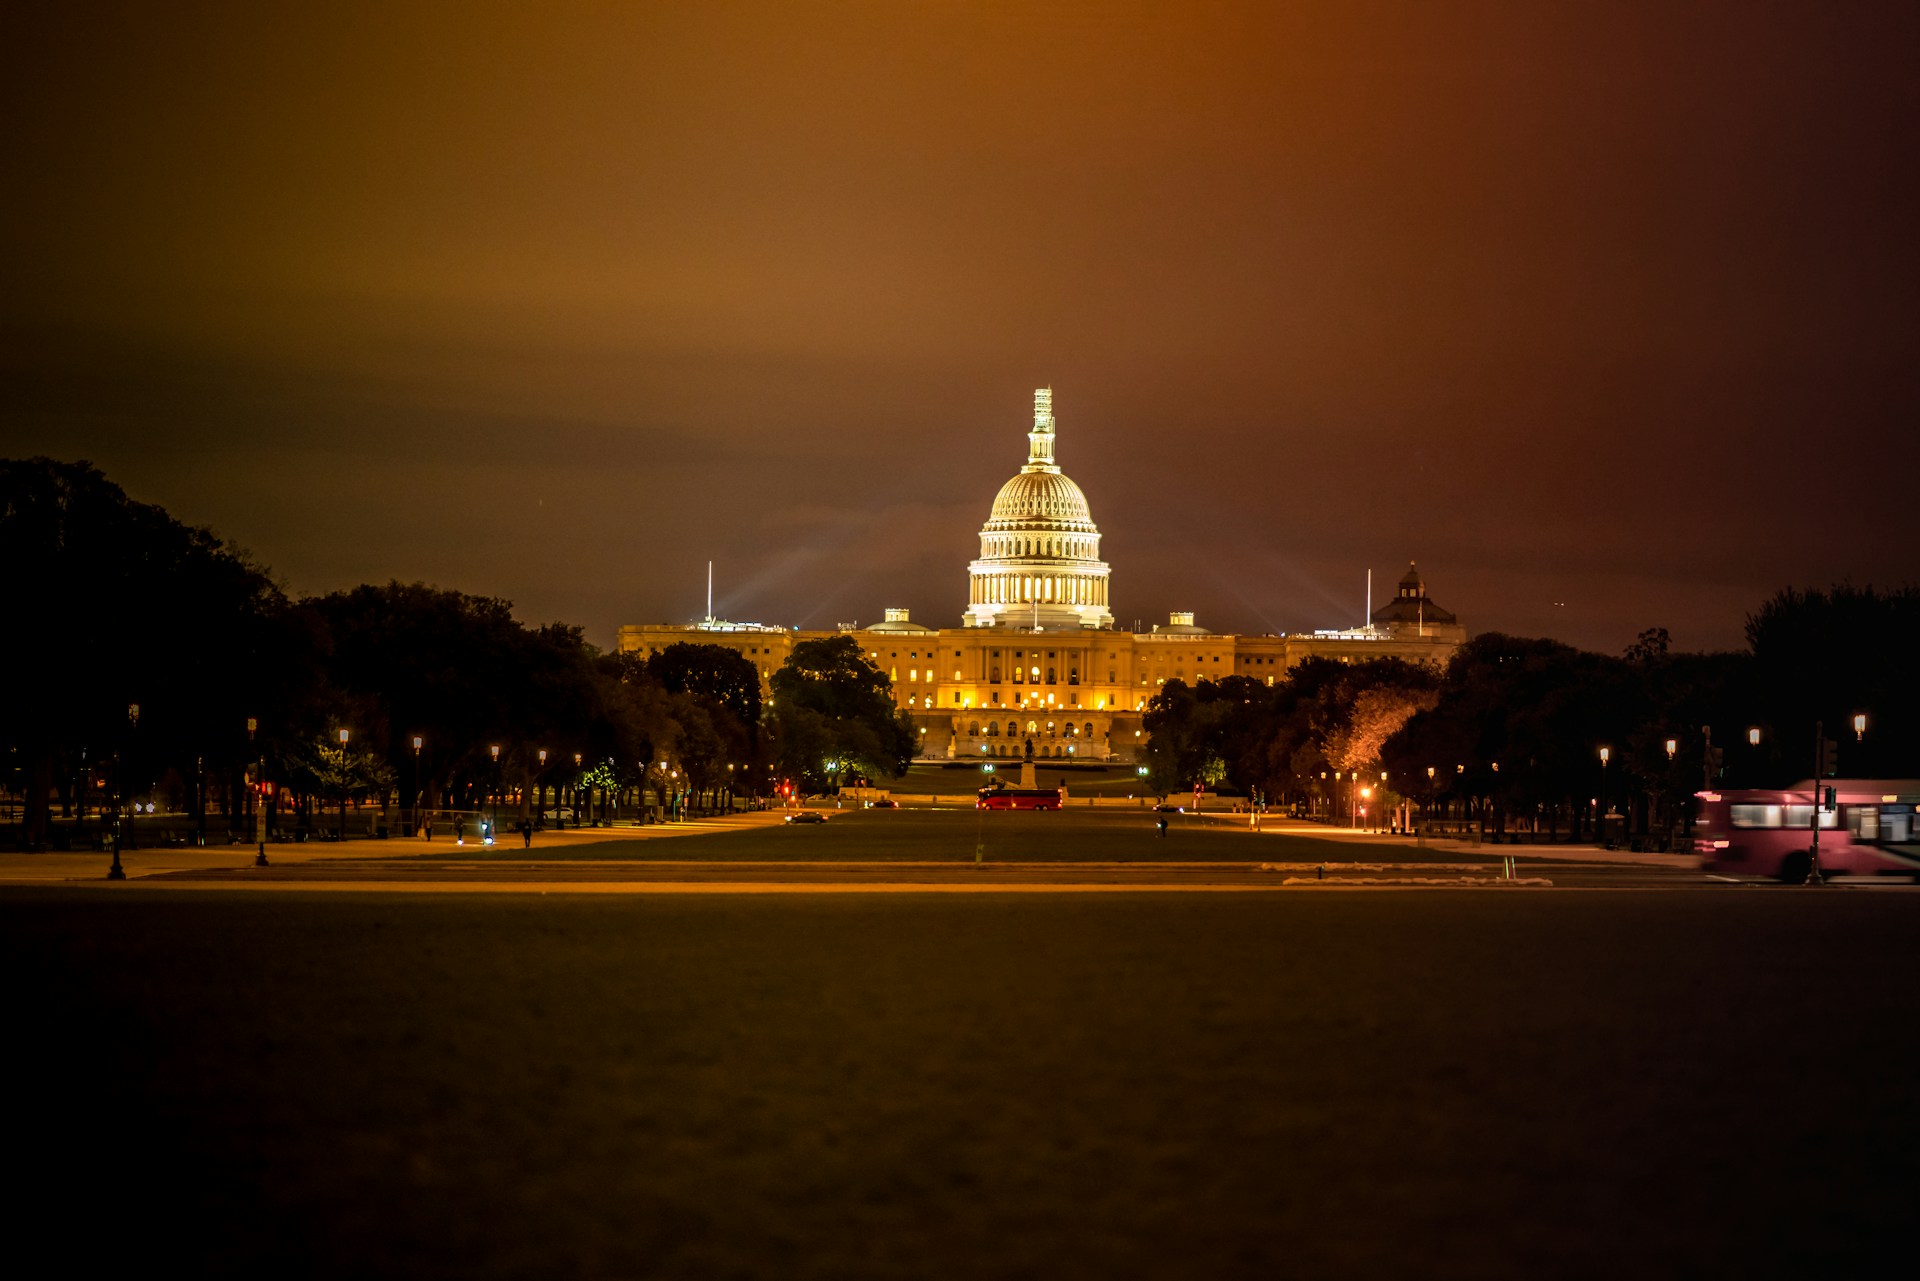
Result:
[
  {"x": 1033, "y": 727},
  {"x": 1013, "y": 729},
  {"x": 1088, "y": 729},
  {"x": 1049, "y": 729},
  {"x": 1050, "y": 672},
  {"x": 1070, "y": 729},
  {"x": 973, "y": 730},
  {"x": 993, "y": 729}
]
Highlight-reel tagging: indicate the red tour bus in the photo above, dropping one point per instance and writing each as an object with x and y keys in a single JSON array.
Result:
[
  {"x": 1869, "y": 831},
  {"x": 1018, "y": 798}
]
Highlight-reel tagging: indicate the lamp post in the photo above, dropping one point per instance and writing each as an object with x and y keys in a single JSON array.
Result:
[
  {"x": 1606, "y": 754},
  {"x": 493, "y": 791},
  {"x": 540, "y": 789},
  {"x": 259, "y": 797},
  {"x": 344, "y": 734},
  {"x": 123, "y": 823},
  {"x": 417, "y": 789},
  {"x": 1859, "y": 727}
]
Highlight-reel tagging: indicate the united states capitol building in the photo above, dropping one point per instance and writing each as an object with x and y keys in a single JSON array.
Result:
[{"x": 1037, "y": 656}]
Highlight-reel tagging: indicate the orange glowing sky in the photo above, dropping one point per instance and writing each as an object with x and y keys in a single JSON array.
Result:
[{"x": 1603, "y": 312}]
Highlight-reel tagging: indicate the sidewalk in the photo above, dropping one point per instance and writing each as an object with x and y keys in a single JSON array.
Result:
[
  {"x": 1560, "y": 853},
  {"x": 52, "y": 868}
]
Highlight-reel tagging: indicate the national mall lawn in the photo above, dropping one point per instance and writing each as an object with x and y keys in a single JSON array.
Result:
[{"x": 1452, "y": 1083}]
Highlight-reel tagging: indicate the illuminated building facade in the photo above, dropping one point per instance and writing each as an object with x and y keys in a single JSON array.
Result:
[{"x": 1037, "y": 655}]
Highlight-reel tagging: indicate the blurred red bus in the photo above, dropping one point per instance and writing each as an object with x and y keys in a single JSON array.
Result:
[
  {"x": 1018, "y": 798},
  {"x": 1869, "y": 831}
]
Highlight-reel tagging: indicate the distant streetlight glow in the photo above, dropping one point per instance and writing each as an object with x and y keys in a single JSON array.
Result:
[
  {"x": 1860, "y": 727},
  {"x": 1753, "y": 737}
]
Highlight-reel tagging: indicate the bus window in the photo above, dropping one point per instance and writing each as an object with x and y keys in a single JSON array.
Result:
[
  {"x": 1754, "y": 815},
  {"x": 1863, "y": 821},
  {"x": 1797, "y": 816},
  {"x": 1896, "y": 823}
]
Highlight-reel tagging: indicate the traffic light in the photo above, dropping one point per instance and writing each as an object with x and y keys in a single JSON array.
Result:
[
  {"x": 1826, "y": 799},
  {"x": 1829, "y": 758}
]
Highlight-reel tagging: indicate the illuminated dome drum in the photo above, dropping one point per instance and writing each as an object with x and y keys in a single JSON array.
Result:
[{"x": 1039, "y": 560}]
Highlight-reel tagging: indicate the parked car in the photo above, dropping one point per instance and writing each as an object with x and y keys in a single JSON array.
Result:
[{"x": 806, "y": 816}]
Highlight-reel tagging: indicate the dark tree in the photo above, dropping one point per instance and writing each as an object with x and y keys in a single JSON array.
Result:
[
  {"x": 1827, "y": 656},
  {"x": 831, "y": 705},
  {"x": 714, "y": 673},
  {"x": 115, "y": 603}
]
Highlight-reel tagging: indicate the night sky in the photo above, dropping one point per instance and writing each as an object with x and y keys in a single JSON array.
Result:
[{"x": 1604, "y": 313}]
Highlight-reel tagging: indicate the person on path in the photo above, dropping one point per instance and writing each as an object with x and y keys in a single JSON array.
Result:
[{"x": 526, "y": 833}]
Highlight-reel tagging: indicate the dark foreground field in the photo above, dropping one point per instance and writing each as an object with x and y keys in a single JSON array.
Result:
[{"x": 1390, "y": 1084}]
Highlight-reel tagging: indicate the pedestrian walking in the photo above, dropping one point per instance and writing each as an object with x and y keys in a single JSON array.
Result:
[{"x": 526, "y": 833}]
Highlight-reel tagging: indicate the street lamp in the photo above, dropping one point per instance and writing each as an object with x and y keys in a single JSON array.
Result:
[
  {"x": 1859, "y": 727},
  {"x": 259, "y": 797},
  {"x": 120, "y": 824},
  {"x": 540, "y": 789},
  {"x": 1606, "y": 754},
  {"x": 417, "y": 789},
  {"x": 344, "y": 735},
  {"x": 486, "y": 833},
  {"x": 1753, "y": 736}
]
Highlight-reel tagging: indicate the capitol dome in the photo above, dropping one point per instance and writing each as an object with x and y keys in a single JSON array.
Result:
[
  {"x": 1041, "y": 495},
  {"x": 1039, "y": 564}
]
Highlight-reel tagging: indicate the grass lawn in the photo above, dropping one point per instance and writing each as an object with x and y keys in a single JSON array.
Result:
[{"x": 1480, "y": 1085}]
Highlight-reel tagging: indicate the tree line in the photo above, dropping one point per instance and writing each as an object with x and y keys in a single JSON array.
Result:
[
  {"x": 151, "y": 658},
  {"x": 1538, "y": 733}
]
